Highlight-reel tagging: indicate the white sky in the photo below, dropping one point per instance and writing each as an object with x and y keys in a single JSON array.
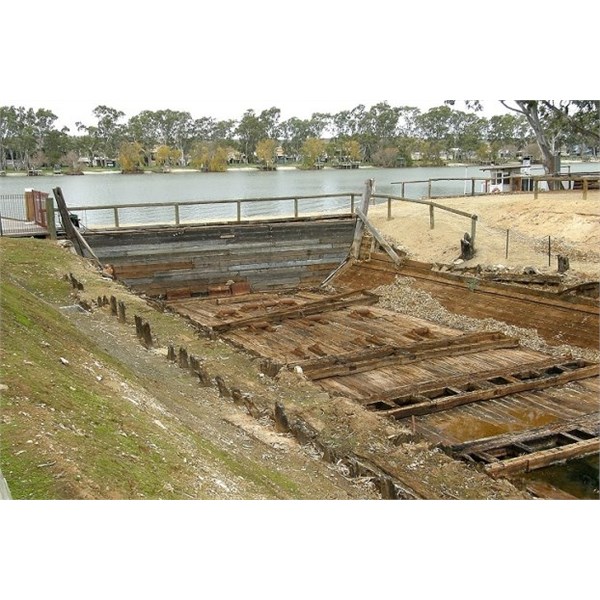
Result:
[{"x": 220, "y": 58}]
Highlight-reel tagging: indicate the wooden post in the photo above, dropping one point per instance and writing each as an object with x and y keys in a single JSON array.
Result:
[
  {"x": 72, "y": 233},
  {"x": 473, "y": 230},
  {"x": 585, "y": 188},
  {"x": 507, "y": 235},
  {"x": 429, "y": 189},
  {"x": 139, "y": 326},
  {"x": 29, "y": 205},
  {"x": 389, "y": 209},
  {"x": 295, "y": 208},
  {"x": 238, "y": 208},
  {"x": 536, "y": 188},
  {"x": 549, "y": 251},
  {"x": 431, "y": 219},
  {"x": 472, "y": 186},
  {"x": 364, "y": 208},
  {"x": 183, "y": 358},
  {"x": 402, "y": 192},
  {"x": 176, "y": 214},
  {"x": 147, "y": 335},
  {"x": 113, "y": 305},
  {"x": 50, "y": 220},
  {"x": 116, "y": 215},
  {"x": 121, "y": 311},
  {"x": 171, "y": 353}
]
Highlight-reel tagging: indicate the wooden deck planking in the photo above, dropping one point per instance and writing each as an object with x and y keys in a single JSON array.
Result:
[{"x": 341, "y": 331}]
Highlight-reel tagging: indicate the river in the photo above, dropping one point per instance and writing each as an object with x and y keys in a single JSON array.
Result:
[{"x": 113, "y": 188}]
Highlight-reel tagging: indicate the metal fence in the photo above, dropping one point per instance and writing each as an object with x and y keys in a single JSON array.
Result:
[{"x": 23, "y": 214}]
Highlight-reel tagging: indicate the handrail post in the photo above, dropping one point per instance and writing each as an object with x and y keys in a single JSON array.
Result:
[
  {"x": 50, "y": 222},
  {"x": 402, "y": 193},
  {"x": 238, "y": 208},
  {"x": 429, "y": 189},
  {"x": 176, "y": 214},
  {"x": 389, "y": 208},
  {"x": 352, "y": 204},
  {"x": 431, "y": 220},
  {"x": 295, "y": 208},
  {"x": 585, "y": 188},
  {"x": 116, "y": 216},
  {"x": 536, "y": 188}
]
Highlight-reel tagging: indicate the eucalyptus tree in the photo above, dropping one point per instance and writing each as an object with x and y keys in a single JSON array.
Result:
[
  {"x": 468, "y": 132},
  {"x": 142, "y": 128},
  {"x": 269, "y": 121},
  {"x": 294, "y": 132},
  {"x": 86, "y": 142},
  {"x": 224, "y": 131},
  {"x": 378, "y": 128},
  {"x": 435, "y": 130},
  {"x": 253, "y": 127},
  {"x": 249, "y": 132},
  {"x": 25, "y": 132},
  {"x": 548, "y": 118},
  {"x": 507, "y": 130},
  {"x": 57, "y": 143},
  {"x": 108, "y": 129},
  {"x": 8, "y": 128}
]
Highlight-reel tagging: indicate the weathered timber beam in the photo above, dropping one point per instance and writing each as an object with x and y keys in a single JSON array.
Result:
[
  {"x": 330, "y": 303},
  {"x": 447, "y": 402},
  {"x": 588, "y": 422},
  {"x": 364, "y": 207},
  {"x": 471, "y": 379},
  {"x": 543, "y": 458},
  {"x": 380, "y": 240},
  {"x": 400, "y": 358},
  {"x": 386, "y": 349}
]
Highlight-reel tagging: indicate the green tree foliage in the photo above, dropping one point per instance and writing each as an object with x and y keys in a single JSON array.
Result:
[
  {"x": 131, "y": 157},
  {"x": 266, "y": 151},
  {"x": 209, "y": 157},
  {"x": 439, "y": 134},
  {"x": 312, "y": 150},
  {"x": 167, "y": 156}
]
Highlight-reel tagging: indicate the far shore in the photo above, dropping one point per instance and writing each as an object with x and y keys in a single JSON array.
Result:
[{"x": 149, "y": 171}]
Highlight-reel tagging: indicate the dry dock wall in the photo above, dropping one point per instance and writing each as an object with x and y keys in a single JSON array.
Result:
[{"x": 191, "y": 260}]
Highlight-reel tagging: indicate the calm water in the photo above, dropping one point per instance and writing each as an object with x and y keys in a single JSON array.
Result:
[{"x": 114, "y": 188}]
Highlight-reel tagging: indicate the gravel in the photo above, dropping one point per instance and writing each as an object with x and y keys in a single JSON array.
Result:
[{"x": 402, "y": 297}]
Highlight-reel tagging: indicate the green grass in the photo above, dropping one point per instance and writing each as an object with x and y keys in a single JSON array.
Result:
[{"x": 63, "y": 434}]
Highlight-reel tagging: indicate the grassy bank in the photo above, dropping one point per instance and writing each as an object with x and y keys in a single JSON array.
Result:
[{"x": 88, "y": 413}]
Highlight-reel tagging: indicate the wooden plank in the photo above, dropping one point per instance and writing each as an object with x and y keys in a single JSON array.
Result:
[
  {"x": 334, "y": 302},
  {"x": 353, "y": 363},
  {"x": 543, "y": 458},
  {"x": 423, "y": 407},
  {"x": 380, "y": 240},
  {"x": 364, "y": 208}
]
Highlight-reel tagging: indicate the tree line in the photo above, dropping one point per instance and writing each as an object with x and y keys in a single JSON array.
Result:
[{"x": 382, "y": 135}]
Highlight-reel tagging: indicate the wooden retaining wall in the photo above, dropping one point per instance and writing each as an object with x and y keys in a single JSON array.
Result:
[{"x": 185, "y": 261}]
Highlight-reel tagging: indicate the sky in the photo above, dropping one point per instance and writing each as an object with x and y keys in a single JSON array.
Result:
[{"x": 219, "y": 59}]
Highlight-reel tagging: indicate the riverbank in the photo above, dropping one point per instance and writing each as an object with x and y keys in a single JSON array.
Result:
[{"x": 564, "y": 220}]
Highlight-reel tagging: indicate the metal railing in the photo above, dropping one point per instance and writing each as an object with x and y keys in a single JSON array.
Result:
[{"x": 23, "y": 214}]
